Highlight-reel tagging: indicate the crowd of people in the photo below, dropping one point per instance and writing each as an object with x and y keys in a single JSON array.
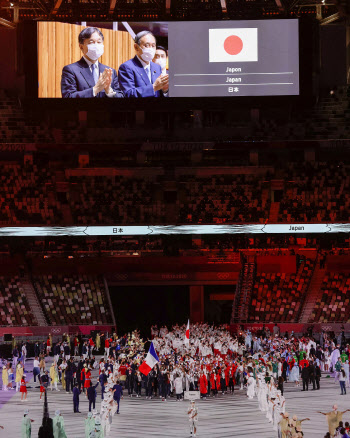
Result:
[{"x": 213, "y": 362}]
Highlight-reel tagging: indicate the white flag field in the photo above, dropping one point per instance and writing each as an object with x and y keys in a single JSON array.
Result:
[
  {"x": 187, "y": 333},
  {"x": 233, "y": 45}
]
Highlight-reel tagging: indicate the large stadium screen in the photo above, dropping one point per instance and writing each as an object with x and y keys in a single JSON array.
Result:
[{"x": 168, "y": 59}]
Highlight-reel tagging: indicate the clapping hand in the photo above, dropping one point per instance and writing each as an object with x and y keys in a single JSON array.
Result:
[
  {"x": 161, "y": 83},
  {"x": 104, "y": 81},
  {"x": 109, "y": 73}
]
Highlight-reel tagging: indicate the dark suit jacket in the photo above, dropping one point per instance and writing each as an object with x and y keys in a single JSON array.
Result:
[
  {"x": 305, "y": 373},
  {"x": 69, "y": 373},
  {"x": 133, "y": 79},
  {"x": 118, "y": 392},
  {"x": 102, "y": 378},
  {"x": 312, "y": 371},
  {"x": 36, "y": 350},
  {"x": 77, "y": 80},
  {"x": 91, "y": 392},
  {"x": 109, "y": 365},
  {"x": 76, "y": 393}
]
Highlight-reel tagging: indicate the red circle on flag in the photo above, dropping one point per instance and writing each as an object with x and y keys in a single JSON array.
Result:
[{"x": 233, "y": 45}]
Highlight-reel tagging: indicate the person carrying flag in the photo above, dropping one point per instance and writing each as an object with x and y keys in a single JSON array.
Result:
[{"x": 151, "y": 360}]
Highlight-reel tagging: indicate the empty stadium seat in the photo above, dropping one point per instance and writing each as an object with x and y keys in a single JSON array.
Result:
[{"x": 73, "y": 299}]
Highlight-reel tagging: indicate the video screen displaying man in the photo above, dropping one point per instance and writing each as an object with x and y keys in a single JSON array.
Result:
[
  {"x": 161, "y": 58},
  {"x": 140, "y": 76},
  {"x": 87, "y": 77}
]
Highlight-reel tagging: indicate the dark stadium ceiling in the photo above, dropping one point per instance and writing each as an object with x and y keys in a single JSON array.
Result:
[{"x": 13, "y": 11}]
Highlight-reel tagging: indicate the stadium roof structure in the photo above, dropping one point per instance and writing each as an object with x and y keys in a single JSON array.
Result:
[{"x": 14, "y": 11}]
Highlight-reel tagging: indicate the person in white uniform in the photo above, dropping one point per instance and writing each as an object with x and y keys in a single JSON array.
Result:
[
  {"x": 193, "y": 418},
  {"x": 251, "y": 387},
  {"x": 178, "y": 387},
  {"x": 346, "y": 369}
]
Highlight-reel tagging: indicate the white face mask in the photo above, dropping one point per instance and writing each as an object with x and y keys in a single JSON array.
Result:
[
  {"x": 161, "y": 62},
  {"x": 148, "y": 54},
  {"x": 95, "y": 51}
]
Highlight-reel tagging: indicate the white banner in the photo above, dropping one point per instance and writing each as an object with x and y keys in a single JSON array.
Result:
[
  {"x": 144, "y": 230},
  {"x": 192, "y": 395}
]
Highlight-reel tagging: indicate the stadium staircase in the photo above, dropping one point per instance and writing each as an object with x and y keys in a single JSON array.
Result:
[
  {"x": 109, "y": 300},
  {"x": 312, "y": 294},
  {"x": 67, "y": 214},
  {"x": 328, "y": 119},
  {"x": 331, "y": 117},
  {"x": 244, "y": 288},
  {"x": 274, "y": 211},
  {"x": 265, "y": 195},
  {"x": 33, "y": 301},
  {"x": 62, "y": 186},
  {"x": 235, "y": 304}
]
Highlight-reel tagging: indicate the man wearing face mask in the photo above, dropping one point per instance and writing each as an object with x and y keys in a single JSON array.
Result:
[
  {"x": 140, "y": 76},
  {"x": 160, "y": 58},
  {"x": 88, "y": 77}
]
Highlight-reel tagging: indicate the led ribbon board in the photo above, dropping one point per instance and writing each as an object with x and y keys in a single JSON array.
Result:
[{"x": 156, "y": 230}]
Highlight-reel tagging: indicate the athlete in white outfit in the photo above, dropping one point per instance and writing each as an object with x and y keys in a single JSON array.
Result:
[{"x": 193, "y": 418}]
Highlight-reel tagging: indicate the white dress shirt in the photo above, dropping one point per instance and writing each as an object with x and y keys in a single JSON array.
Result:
[
  {"x": 110, "y": 93},
  {"x": 147, "y": 68}
]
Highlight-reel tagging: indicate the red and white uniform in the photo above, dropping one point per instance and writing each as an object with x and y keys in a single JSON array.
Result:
[
  {"x": 23, "y": 387},
  {"x": 203, "y": 384},
  {"x": 87, "y": 382}
]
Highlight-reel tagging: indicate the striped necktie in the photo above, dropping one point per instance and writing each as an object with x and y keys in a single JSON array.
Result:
[{"x": 148, "y": 71}]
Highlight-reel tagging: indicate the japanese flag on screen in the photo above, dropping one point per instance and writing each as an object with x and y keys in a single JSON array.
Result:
[{"x": 233, "y": 45}]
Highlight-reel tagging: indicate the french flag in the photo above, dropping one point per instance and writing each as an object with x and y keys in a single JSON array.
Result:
[
  {"x": 151, "y": 360},
  {"x": 187, "y": 334}
]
